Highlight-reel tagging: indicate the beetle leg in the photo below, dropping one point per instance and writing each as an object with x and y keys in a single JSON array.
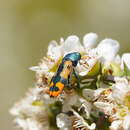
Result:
[
  {"x": 69, "y": 83},
  {"x": 76, "y": 76}
]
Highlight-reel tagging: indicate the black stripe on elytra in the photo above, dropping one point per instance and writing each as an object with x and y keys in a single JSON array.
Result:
[{"x": 54, "y": 88}]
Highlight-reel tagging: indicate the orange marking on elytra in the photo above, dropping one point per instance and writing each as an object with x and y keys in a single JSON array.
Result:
[
  {"x": 50, "y": 93},
  {"x": 60, "y": 86},
  {"x": 67, "y": 69},
  {"x": 55, "y": 94}
]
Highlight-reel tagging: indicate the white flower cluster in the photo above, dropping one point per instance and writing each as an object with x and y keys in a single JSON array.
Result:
[{"x": 102, "y": 101}]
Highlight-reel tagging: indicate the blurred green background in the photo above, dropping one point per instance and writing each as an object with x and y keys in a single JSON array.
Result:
[{"x": 27, "y": 26}]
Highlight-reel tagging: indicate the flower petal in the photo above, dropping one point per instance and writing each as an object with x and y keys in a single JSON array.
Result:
[
  {"x": 125, "y": 59},
  {"x": 63, "y": 121},
  {"x": 80, "y": 123},
  {"x": 89, "y": 64},
  {"x": 90, "y": 40},
  {"x": 108, "y": 49},
  {"x": 72, "y": 44},
  {"x": 120, "y": 89},
  {"x": 104, "y": 107},
  {"x": 39, "y": 69},
  {"x": 116, "y": 125},
  {"x": 88, "y": 94},
  {"x": 117, "y": 59},
  {"x": 87, "y": 106},
  {"x": 126, "y": 123},
  {"x": 54, "y": 50}
]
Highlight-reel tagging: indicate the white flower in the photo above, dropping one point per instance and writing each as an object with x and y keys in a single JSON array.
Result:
[
  {"x": 54, "y": 50},
  {"x": 117, "y": 59},
  {"x": 120, "y": 89},
  {"x": 126, "y": 123},
  {"x": 108, "y": 49},
  {"x": 90, "y": 40},
  {"x": 75, "y": 108},
  {"x": 116, "y": 125},
  {"x": 116, "y": 104},
  {"x": 107, "y": 108},
  {"x": 72, "y": 44},
  {"x": 63, "y": 121},
  {"x": 87, "y": 63},
  {"x": 74, "y": 100},
  {"x": 80, "y": 123},
  {"x": 43, "y": 69},
  {"x": 30, "y": 124},
  {"x": 30, "y": 113},
  {"x": 92, "y": 95},
  {"x": 39, "y": 69},
  {"x": 69, "y": 100},
  {"x": 87, "y": 106},
  {"x": 125, "y": 59}
]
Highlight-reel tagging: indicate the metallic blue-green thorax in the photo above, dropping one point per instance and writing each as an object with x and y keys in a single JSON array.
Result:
[{"x": 74, "y": 57}]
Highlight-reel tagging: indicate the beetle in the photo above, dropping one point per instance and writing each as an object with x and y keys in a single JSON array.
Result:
[{"x": 63, "y": 74}]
